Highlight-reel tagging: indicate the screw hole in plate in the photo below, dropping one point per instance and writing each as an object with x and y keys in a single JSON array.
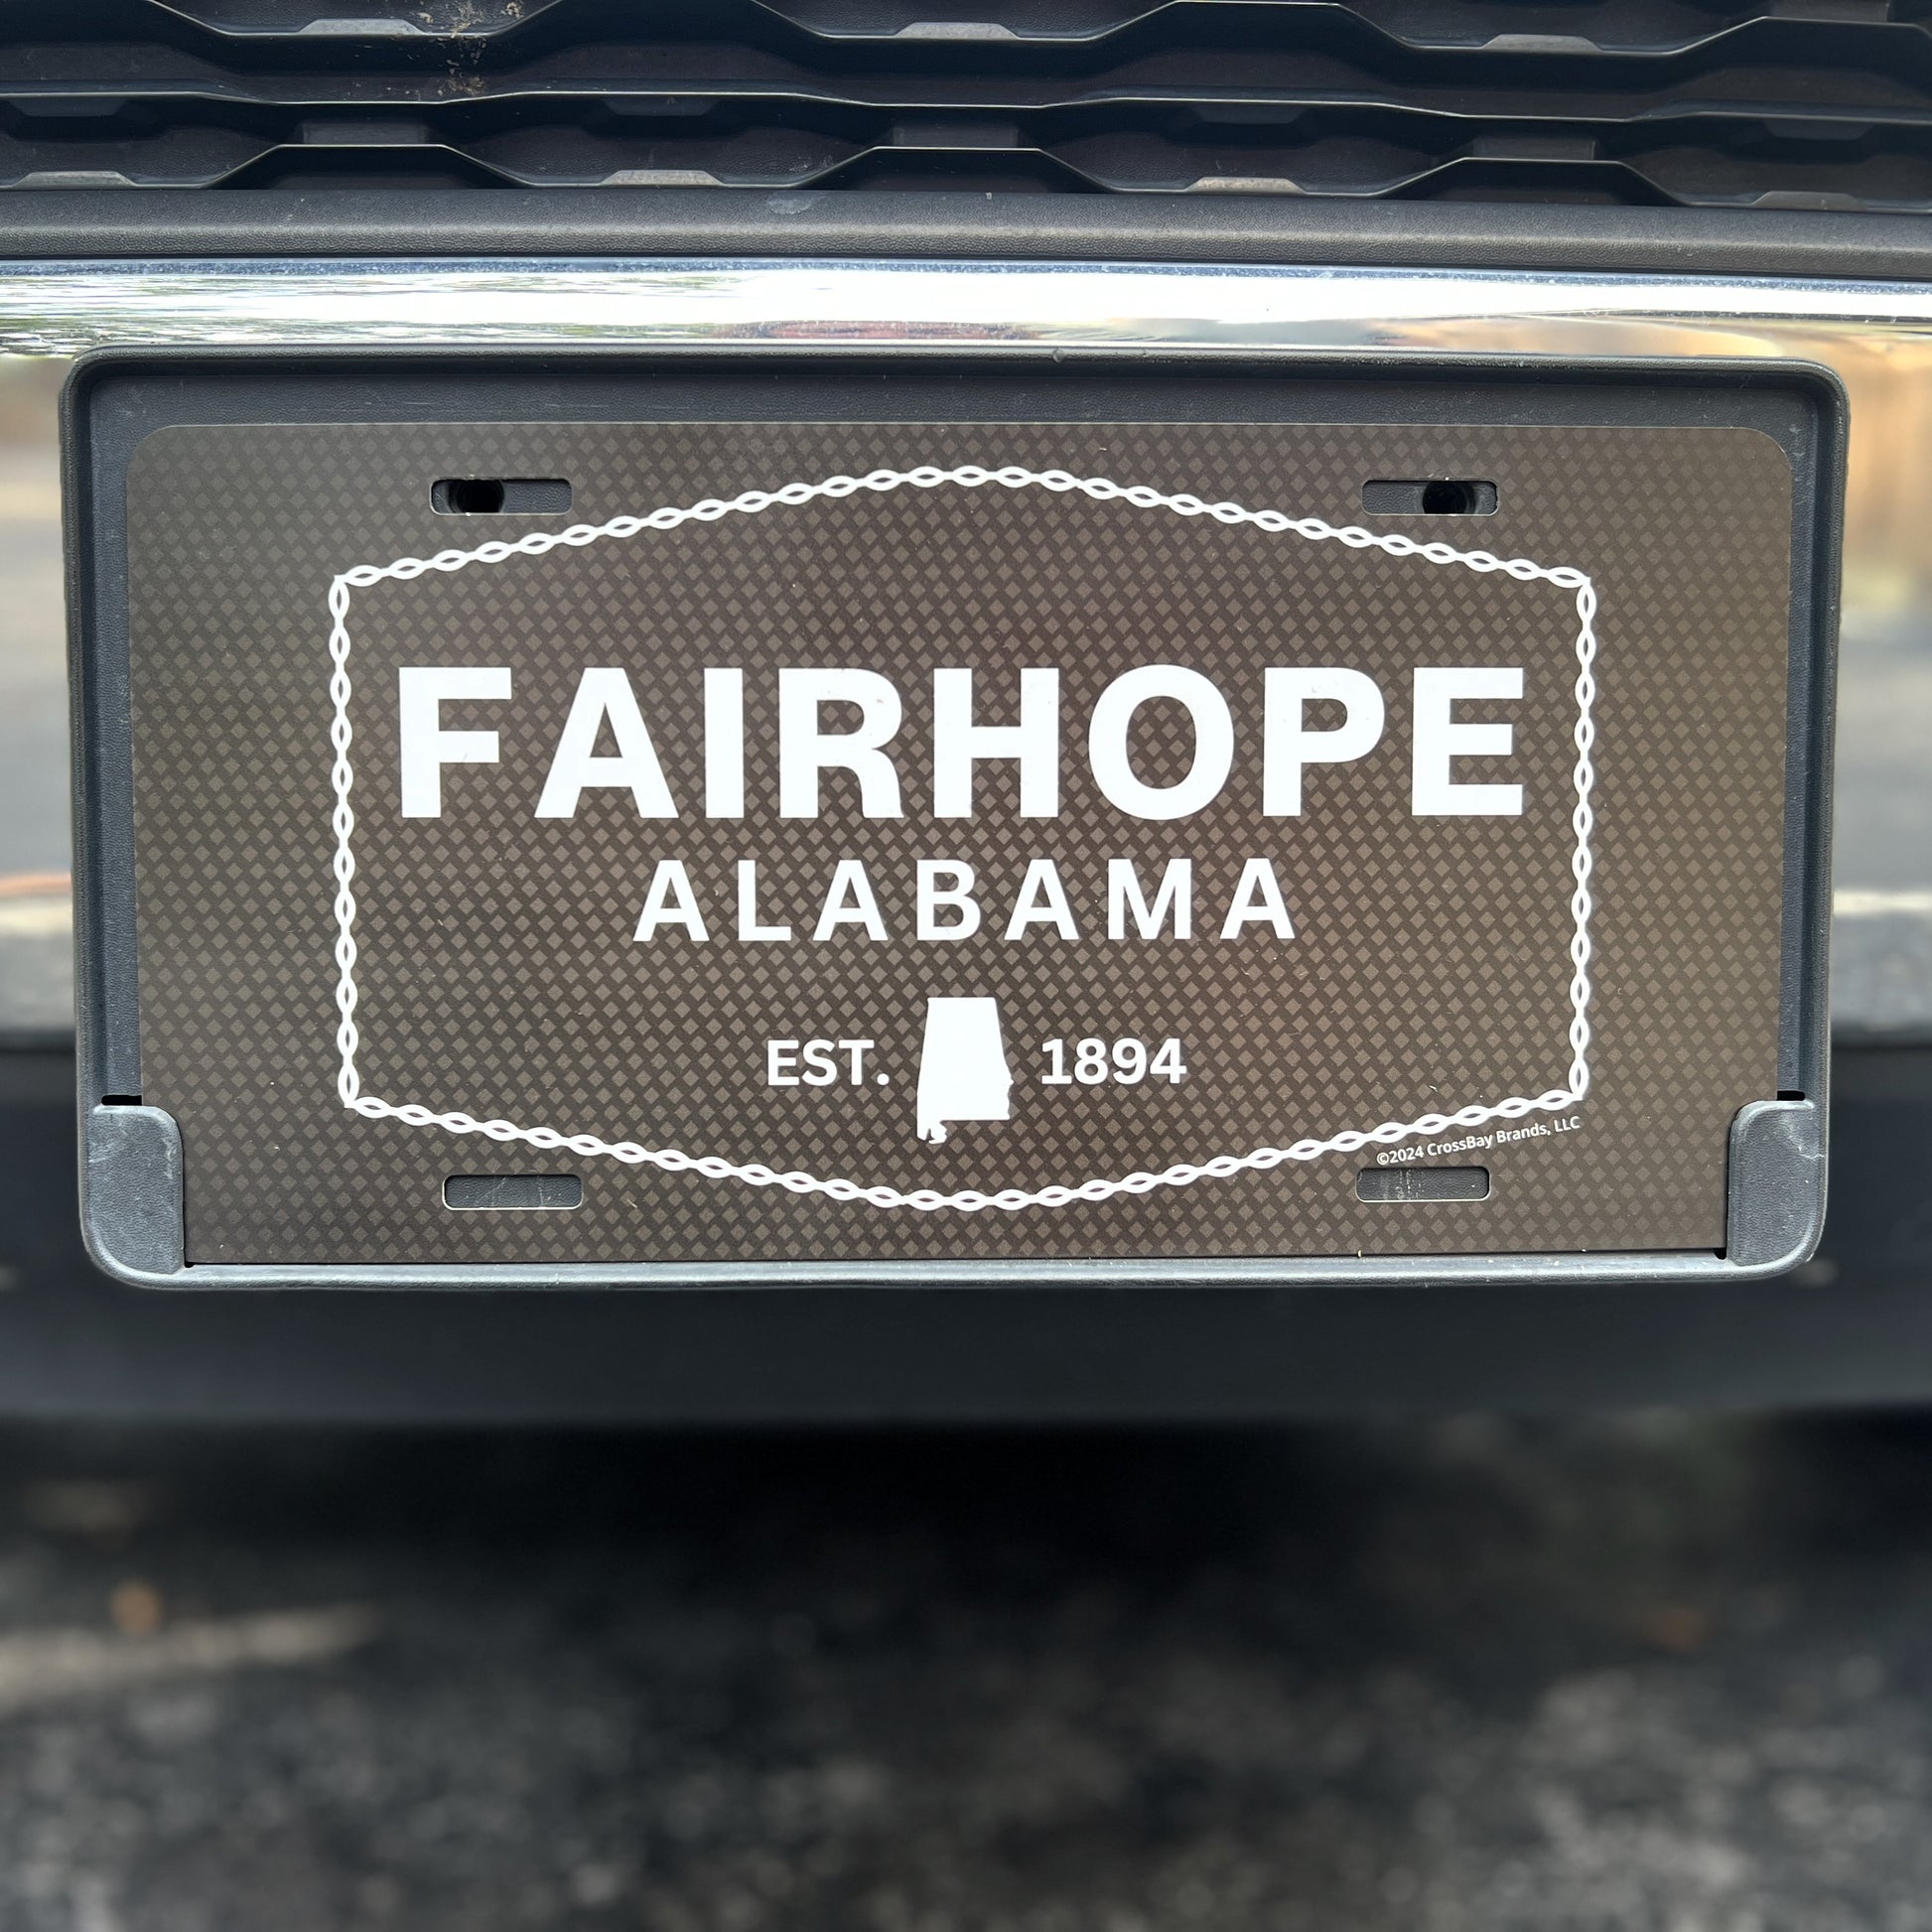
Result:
[
  {"x": 1429, "y": 496},
  {"x": 499, "y": 496}
]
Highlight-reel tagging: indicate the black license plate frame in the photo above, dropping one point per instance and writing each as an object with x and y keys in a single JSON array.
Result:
[{"x": 142, "y": 1167}]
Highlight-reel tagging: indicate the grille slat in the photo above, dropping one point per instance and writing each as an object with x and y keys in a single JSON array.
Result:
[{"x": 1795, "y": 103}]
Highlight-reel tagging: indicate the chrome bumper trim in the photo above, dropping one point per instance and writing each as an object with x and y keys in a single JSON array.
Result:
[{"x": 64, "y": 308}]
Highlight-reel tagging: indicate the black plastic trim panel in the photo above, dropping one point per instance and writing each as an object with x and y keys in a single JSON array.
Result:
[
  {"x": 1854, "y": 1326},
  {"x": 188, "y": 224}
]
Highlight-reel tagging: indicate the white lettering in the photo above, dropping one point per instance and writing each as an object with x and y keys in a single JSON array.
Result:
[
  {"x": 604, "y": 694},
  {"x": 1113, "y": 718},
  {"x": 804, "y": 751},
  {"x": 849, "y": 901},
  {"x": 670, "y": 901},
  {"x": 747, "y": 907},
  {"x": 425, "y": 746},
  {"x": 1438, "y": 739},
  {"x": 1256, "y": 900},
  {"x": 1287, "y": 745},
  {"x": 958, "y": 895},
  {"x": 724, "y": 743},
  {"x": 958, "y": 744},
  {"x": 1041, "y": 902},
  {"x": 1174, "y": 897}
]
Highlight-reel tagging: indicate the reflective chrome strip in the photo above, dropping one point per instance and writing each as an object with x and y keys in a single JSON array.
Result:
[{"x": 63, "y": 308}]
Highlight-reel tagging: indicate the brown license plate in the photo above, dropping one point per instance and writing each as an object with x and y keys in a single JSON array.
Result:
[{"x": 692, "y": 826}]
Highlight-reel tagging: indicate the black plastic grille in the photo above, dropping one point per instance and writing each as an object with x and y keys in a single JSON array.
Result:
[{"x": 1794, "y": 105}]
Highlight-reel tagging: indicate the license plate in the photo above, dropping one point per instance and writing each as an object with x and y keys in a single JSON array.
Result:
[{"x": 790, "y": 824}]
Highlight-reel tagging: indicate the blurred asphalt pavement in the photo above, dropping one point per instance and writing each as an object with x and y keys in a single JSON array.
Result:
[{"x": 1651, "y": 1676}]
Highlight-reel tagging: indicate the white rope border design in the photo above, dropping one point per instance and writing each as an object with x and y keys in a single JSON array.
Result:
[{"x": 968, "y": 476}]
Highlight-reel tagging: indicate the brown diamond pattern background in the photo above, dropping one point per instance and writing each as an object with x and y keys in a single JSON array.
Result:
[{"x": 498, "y": 973}]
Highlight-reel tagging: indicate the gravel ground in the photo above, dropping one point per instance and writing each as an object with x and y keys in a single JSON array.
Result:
[{"x": 1658, "y": 1675}]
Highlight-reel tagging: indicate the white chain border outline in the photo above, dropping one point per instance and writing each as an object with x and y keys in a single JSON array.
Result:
[{"x": 968, "y": 476}]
